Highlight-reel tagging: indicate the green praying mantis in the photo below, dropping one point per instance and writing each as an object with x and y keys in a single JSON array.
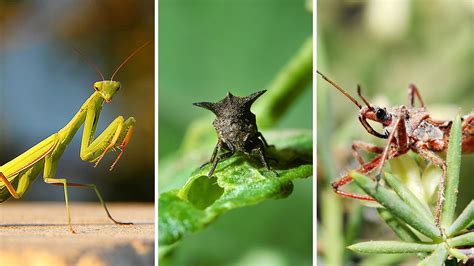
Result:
[{"x": 17, "y": 175}]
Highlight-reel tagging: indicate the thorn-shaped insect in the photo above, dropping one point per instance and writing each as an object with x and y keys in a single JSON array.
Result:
[{"x": 236, "y": 128}]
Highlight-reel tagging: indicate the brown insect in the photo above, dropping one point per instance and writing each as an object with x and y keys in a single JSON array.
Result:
[
  {"x": 236, "y": 128},
  {"x": 406, "y": 128}
]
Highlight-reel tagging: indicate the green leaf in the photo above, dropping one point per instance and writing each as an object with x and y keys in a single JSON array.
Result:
[
  {"x": 237, "y": 182},
  {"x": 407, "y": 171},
  {"x": 465, "y": 219},
  {"x": 407, "y": 196},
  {"x": 462, "y": 240},
  {"x": 396, "y": 206},
  {"x": 458, "y": 255},
  {"x": 437, "y": 257},
  {"x": 392, "y": 247},
  {"x": 399, "y": 228},
  {"x": 453, "y": 161}
]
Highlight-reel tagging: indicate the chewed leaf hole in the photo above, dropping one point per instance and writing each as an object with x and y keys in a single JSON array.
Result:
[{"x": 204, "y": 191}]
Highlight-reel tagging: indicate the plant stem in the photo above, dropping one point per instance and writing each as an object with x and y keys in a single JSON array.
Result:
[{"x": 295, "y": 76}]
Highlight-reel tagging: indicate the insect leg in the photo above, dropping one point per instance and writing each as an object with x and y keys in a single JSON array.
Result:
[
  {"x": 10, "y": 188},
  {"x": 124, "y": 138},
  {"x": 223, "y": 156},
  {"x": 216, "y": 161},
  {"x": 96, "y": 190},
  {"x": 261, "y": 155},
  {"x": 260, "y": 135},
  {"x": 402, "y": 144},
  {"x": 213, "y": 156},
  {"x": 436, "y": 160},
  {"x": 364, "y": 169},
  {"x": 412, "y": 93},
  {"x": 119, "y": 131},
  {"x": 358, "y": 146},
  {"x": 62, "y": 182}
]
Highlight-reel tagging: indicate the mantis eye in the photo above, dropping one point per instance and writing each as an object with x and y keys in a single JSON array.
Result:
[{"x": 381, "y": 114}]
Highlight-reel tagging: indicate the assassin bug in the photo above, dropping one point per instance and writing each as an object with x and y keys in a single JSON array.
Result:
[
  {"x": 236, "y": 128},
  {"x": 405, "y": 128},
  {"x": 17, "y": 175}
]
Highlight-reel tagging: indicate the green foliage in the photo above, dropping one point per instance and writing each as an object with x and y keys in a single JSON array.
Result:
[
  {"x": 404, "y": 212},
  {"x": 237, "y": 182}
]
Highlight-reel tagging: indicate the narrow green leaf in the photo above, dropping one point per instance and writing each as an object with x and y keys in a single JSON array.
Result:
[
  {"x": 407, "y": 196},
  {"x": 465, "y": 219},
  {"x": 407, "y": 171},
  {"x": 400, "y": 229},
  {"x": 453, "y": 161},
  {"x": 458, "y": 255},
  {"x": 392, "y": 247},
  {"x": 437, "y": 257},
  {"x": 396, "y": 206},
  {"x": 462, "y": 240},
  {"x": 237, "y": 182}
]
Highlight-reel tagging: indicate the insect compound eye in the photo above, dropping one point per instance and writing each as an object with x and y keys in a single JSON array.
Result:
[{"x": 381, "y": 114}]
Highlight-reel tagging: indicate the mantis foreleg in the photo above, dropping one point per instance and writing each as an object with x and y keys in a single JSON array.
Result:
[{"x": 119, "y": 131}]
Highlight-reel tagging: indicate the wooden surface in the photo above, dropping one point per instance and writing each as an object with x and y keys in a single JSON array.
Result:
[{"x": 33, "y": 233}]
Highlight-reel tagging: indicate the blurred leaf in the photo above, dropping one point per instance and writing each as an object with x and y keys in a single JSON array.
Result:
[
  {"x": 237, "y": 182},
  {"x": 332, "y": 224},
  {"x": 384, "y": 259},
  {"x": 285, "y": 88}
]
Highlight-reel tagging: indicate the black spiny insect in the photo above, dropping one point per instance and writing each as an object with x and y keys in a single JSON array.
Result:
[{"x": 236, "y": 128}]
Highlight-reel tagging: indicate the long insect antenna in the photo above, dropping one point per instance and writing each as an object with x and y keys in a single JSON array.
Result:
[
  {"x": 89, "y": 61},
  {"x": 359, "y": 92},
  {"x": 334, "y": 84},
  {"x": 128, "y": 58}
]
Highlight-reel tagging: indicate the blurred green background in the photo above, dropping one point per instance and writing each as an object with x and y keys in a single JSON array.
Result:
[
  {"x": 384, "y": 46},
  {"x": 207, "y": 48},
  {"x": 43, "y": 83}
]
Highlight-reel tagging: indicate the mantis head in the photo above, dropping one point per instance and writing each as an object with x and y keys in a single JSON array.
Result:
[{"x": 107, "y": 89}]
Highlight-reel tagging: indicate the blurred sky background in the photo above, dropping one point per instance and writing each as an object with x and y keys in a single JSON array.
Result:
[
  {"x": 43, "y": 83},
  {"x": 210, "y": 47}
]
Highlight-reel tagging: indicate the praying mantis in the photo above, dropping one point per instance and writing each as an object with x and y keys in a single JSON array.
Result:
[{"x": 17, "y": 175}]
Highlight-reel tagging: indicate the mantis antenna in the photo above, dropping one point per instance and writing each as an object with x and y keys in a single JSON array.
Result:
[
  {"x": 128, "y": 58},
  {"x": 92, "y": 64}
]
